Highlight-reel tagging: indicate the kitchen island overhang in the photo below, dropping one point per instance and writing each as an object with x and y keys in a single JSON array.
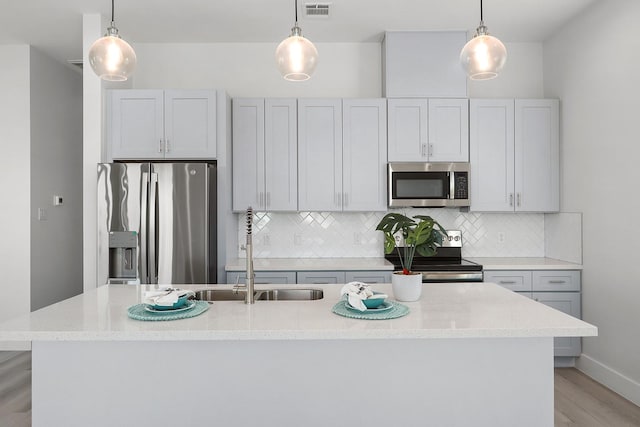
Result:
[{"x": 467, "y": 354}]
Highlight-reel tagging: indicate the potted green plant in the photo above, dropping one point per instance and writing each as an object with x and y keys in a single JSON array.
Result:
[{"x": 420, "y": 234}]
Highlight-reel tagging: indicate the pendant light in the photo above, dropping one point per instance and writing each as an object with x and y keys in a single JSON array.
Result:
[
  {"x": 111, "y": 57},
  {"x": 483, "y": 56},
  {"x": 296, "y": 56}
]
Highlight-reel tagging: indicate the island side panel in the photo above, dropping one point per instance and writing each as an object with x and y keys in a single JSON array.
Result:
[{"x": 454, "y": 382}]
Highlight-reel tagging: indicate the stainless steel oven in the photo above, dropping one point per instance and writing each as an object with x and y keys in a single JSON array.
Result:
[{"x": 421, "y": 184}]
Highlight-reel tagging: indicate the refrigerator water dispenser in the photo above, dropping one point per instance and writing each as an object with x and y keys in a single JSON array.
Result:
[{"x": 123, "y": 254}]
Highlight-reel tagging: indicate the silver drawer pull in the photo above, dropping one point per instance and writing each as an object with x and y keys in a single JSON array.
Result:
[
  {"x": 557, "y": 282},
  {"x": 507, "y": 282}
]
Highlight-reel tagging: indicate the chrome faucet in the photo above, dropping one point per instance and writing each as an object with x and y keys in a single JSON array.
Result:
[{"x": 248, "y": 287}]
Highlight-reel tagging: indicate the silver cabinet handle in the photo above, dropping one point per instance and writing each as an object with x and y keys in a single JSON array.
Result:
[
  {"x": 166, "y": 146},
  {"x": 507, "y": 282},
  {"x": 510, "y": 199},
  {"x": 518, "y": 198},
  {"x": 160, "y": 146},
  {"x": 424, "y": 150},
  {"x": 430, "y": 150},
  {"x": 557, "y": 282}
]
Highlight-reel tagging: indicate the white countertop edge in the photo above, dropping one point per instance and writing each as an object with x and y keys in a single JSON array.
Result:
[
  {"x": 297, "y": 335},
  {"x": 524, "y": 263}
]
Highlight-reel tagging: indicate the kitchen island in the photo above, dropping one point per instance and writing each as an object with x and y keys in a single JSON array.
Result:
[{"x": 467, "y": 354}]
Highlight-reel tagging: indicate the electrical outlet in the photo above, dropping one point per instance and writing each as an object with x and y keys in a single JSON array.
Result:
[
  {"x": 42, "y": 214},
  {"x": 501, "y": 237}
]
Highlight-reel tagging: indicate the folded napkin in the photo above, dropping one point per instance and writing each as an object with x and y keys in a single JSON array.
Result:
[
  {"x": 358, "y": 291},
  {"x": 166, "y": 297}
]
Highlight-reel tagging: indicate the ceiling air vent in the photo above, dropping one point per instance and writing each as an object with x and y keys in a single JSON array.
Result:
[{"x": 317, "y": 10}]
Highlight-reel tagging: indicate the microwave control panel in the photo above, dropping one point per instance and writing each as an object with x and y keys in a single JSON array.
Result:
[{"x": 461, "y": 185}]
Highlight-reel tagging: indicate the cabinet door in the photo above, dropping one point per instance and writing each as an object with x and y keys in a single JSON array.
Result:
[
  {"x": 407, "y": 124},
  {"x": 281, "y": 155},
  {"x": 537, "y": 151},
  {"x": 248, "y": 153},
  {"x": 448, "y": 130},
  {"x": 135, "y": 124},
  {"x": 263, "y": 277},
  {"x": 569, "y": 303},
  {"x": 491, "y": 128},
  {"x": 368, "y": 277},
  {"x": 364, "y": 155},
  {"x": 320, "y": 154},
  {"x": 320, "y": 277},
  {"x": 515, "y": 280},
  {"x": 190, "y": 124}
]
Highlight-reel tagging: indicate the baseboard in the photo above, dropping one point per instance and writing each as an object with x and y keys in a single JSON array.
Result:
[
  {"x": 15, "y": 345},
  {"x": 564, "y": 362},
  {"x": 624, "y": 386}
]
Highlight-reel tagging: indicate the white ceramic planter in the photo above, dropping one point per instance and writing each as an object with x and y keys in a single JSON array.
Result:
[{"x": 406, "y": 287}]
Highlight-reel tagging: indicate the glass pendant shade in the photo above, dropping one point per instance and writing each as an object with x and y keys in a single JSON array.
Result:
[
  {"x": 112, "y": 58},
  {"x": 483, "y": 57},
  {"x": 296, "y": 57}
]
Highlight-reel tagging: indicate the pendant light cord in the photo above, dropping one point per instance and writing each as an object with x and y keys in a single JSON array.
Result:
[
  {"x": 296, "y": 6},
  {"x": 113, "y": 8},
  {"x": 481, "y": 17}
]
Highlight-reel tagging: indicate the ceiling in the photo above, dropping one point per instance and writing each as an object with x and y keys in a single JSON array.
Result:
[{"x": 55, "y": 26}]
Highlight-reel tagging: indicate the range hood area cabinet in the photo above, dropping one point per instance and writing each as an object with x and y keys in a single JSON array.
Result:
[
  {"x": 428, "y": 130},
  {"x": 514, "y": 155},
  {"x": 423, "y": 64},
  {"x": 265, "y": 159},
  {"x": 342, "y": 154},
  {"x": 161, "y": 124}
]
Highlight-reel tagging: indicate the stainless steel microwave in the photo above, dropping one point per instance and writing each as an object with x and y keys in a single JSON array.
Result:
[{"x": 421, "y": 184}]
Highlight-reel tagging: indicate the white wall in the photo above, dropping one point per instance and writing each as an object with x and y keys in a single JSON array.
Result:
[
  {"x": 15, "y": 210},
  {"x": 56, "y": 168},
  {"x": 593, "y": 65},
  {"x": 249, "y": 69}
]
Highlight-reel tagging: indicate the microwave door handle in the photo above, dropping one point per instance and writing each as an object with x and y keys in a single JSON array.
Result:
[{"x": 452, "y": 185}]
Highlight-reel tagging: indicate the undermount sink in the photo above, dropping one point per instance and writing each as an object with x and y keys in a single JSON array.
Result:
[{"x": 302, "y": 294}]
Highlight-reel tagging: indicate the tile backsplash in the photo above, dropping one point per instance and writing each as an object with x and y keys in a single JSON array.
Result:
[{"x": 353, "y": 234}]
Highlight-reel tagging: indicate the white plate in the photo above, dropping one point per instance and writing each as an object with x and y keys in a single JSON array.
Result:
[
  {"x": 188, "y": 306},
  {"x": 382, "y": 307}
]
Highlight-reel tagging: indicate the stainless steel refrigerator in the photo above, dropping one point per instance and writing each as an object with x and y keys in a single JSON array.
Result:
[{"x": 157, "y": 223}]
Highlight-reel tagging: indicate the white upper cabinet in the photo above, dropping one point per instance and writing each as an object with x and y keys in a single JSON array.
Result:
[
  {"x": 265, "y": 154},
  {"x": 342, "y": 154},
  {"x": 157, "y": 124},
  {"x": 537, "y": 155},
  {"x": 434, "y": 130},
  {"x": 364, "y": 147},
  {"x": 423, "y": 64},
  {"x": 320, "y": 154},
  {"x": 514, "y": 155}
]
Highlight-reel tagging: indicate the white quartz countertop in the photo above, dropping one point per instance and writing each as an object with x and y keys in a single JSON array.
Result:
[
  {"x": 524, "y": 263},
  {"x": 446, "y": 310},
  {"x": 311, "y": 264}
]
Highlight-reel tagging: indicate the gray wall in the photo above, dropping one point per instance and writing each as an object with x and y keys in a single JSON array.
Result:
[
  {"x": 56, "y": 168},
  {"x": 592, "y": 65}
]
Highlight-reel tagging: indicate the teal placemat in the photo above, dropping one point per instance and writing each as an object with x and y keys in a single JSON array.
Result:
[
  {"x": 138, "y": 312},
  {"x": 398, "y": 310}
]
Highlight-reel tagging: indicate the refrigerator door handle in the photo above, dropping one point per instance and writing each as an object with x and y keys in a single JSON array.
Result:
[
  {"x": 144, "y": 273},
  {"x": 153, "y": 194}
]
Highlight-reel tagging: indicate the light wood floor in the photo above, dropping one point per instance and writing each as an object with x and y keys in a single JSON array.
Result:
[{"x": 579, "y": 400}]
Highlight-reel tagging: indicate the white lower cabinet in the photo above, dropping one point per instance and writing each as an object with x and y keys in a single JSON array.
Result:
[
  {"x": 559, "y": 289},
  {"x": 311, "y": 277}
]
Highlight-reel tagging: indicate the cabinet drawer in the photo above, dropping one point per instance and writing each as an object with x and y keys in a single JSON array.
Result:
[
  {"x": 560, "y": 281},
  {"x": 320, "y": 277},
  {"x": 368, "y": 277},
  {"x": 515, "y": 280},
  {"x": 264, "y": 277}
]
